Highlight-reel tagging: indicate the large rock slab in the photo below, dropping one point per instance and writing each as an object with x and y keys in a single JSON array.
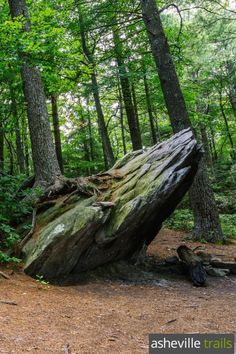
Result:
[{"x": 136, "y": 196}]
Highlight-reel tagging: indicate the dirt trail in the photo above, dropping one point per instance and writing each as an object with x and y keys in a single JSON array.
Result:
[{"x": 112, "y": 317}]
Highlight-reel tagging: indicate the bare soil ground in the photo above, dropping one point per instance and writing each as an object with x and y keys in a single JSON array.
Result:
[{"x": 113, "y": 317}]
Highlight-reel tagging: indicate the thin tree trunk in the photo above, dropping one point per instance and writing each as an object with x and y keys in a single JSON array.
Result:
[
  {"x": 11, "y": 155},
  {"x": 86, "y": 143},
  {"x": 126, "y": 91},
  {"x": 106, "y": 144},
  {"x": 1, "y": 146},
  {"x": 207, "y": 224},
  {"x": 135, "y": 103},
  {"x": 122, "y": 119},
  {"x": 215, "y": 154},
  {"x": 205, "y": 141},
  {"x": 19, "y": 145},
  {"x": 149, "y": 107},
  {"x": 25, "y": 144},
  {"x": 90, "y": 138},
  {"x": 230, "y": 65},
  {"x": 203, "y": 109},
  {"x": 227, "y": 128},
  {"x": 43, "y": 151},
  {"x": 157, "y": 126},
  {"x": 56, "y": 131},
  {"x": 90, "y": 132},
  {"x": 232, "y": 99}
]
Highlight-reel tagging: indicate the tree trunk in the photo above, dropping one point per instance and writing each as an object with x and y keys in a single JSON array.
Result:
[
  {"x": 86, "y": 139},
  {"x": 230, "y": 65},
  {"x": 209, "y": 228},
  {"x": 91, "y": 152},
  {"x": 19, "y": 145},
  {"x": 1, "y": 146},
  {"x": 149, "y": 107},
  {"x": 56, "y": 130},
  {"x": 157, "y": 125},
  {"x": 122, "y": 119},
  {"x": 106, "y": 144},
  {"x": 203, "y": 109},
  {"x": 135, "y": 103},
  {"x": 194, "y": 265},
  {"x": 215, "y": 154},
  {"x": 11, "y": 155},
  {"x": 232, "y": 99},
  {"x": 233, "y": 153},
  {"x": 43, "y": 151},
  {"x": 206, "y": 146},
  {"x": 126, "y": 91}
]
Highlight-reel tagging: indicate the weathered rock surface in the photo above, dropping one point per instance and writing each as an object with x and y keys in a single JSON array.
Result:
[{"x": 136, "y": 196}]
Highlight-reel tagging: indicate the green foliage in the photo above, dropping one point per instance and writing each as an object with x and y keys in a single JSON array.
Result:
[
  {"x": 228, "y": 223},
  {"x": 40, "y": 280},
  {"x": 12, "y": 211},
  {"x": 4, "y": 258},
  {"x": 181, "y": 220}
]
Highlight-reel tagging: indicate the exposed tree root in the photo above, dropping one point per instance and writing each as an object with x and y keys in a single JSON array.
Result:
[{"x": 71, "y": 186}]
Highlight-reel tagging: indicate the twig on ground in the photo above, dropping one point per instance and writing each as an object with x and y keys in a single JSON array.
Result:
[
  {"x": 4, "y": 275},
  {"x": 8, "y": 302},
  {"x": 171, "y": 321}
]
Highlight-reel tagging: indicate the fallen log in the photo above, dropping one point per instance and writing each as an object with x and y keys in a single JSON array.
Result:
[
  {"x": 224, "y": 265},
  {"x": 194, "y": 265},
  {"x": 119, "y": 215},
  {"x": 209, "y": 259}
]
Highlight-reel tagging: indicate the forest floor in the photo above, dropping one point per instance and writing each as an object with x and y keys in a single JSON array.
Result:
[{"x": 114, "y": 317}]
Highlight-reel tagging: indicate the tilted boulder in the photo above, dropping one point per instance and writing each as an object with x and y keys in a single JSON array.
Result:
[{"x": 81, "y": 233}]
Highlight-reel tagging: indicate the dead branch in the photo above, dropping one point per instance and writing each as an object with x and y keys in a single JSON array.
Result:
[
  {"x": 8, "y": 302},
  {"x": 4, "y": 275}
]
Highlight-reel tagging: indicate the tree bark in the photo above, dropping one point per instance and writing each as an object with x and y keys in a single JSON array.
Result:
[
  {"x": 194, "y": 265},
  {"x": 214, "y": 151},
  {"x": 90, "y": 131},
  {"x": 135, "y": 103},
  {"x": 206, "y": 146},
  {"x": 149, "y": 107},
  {"x": 43, "y": 151},
  {"x": 233, "y": 153},
  {"x": 106, "y": 144},
  {"x": 11, "y": 155},
  {"x": 1, "y": 146},
  {"x": 19, "y": 145},
  {"x": 230, "y": 66},
  {"x": 232, "y": 99},
  {"x": 56, "y": 131},
  {"x": 122, "y": 118},
  {"x": 157, "y": 125},
  {"x": 207, "y": 224},
  {"x": 126, "y": 91}
]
